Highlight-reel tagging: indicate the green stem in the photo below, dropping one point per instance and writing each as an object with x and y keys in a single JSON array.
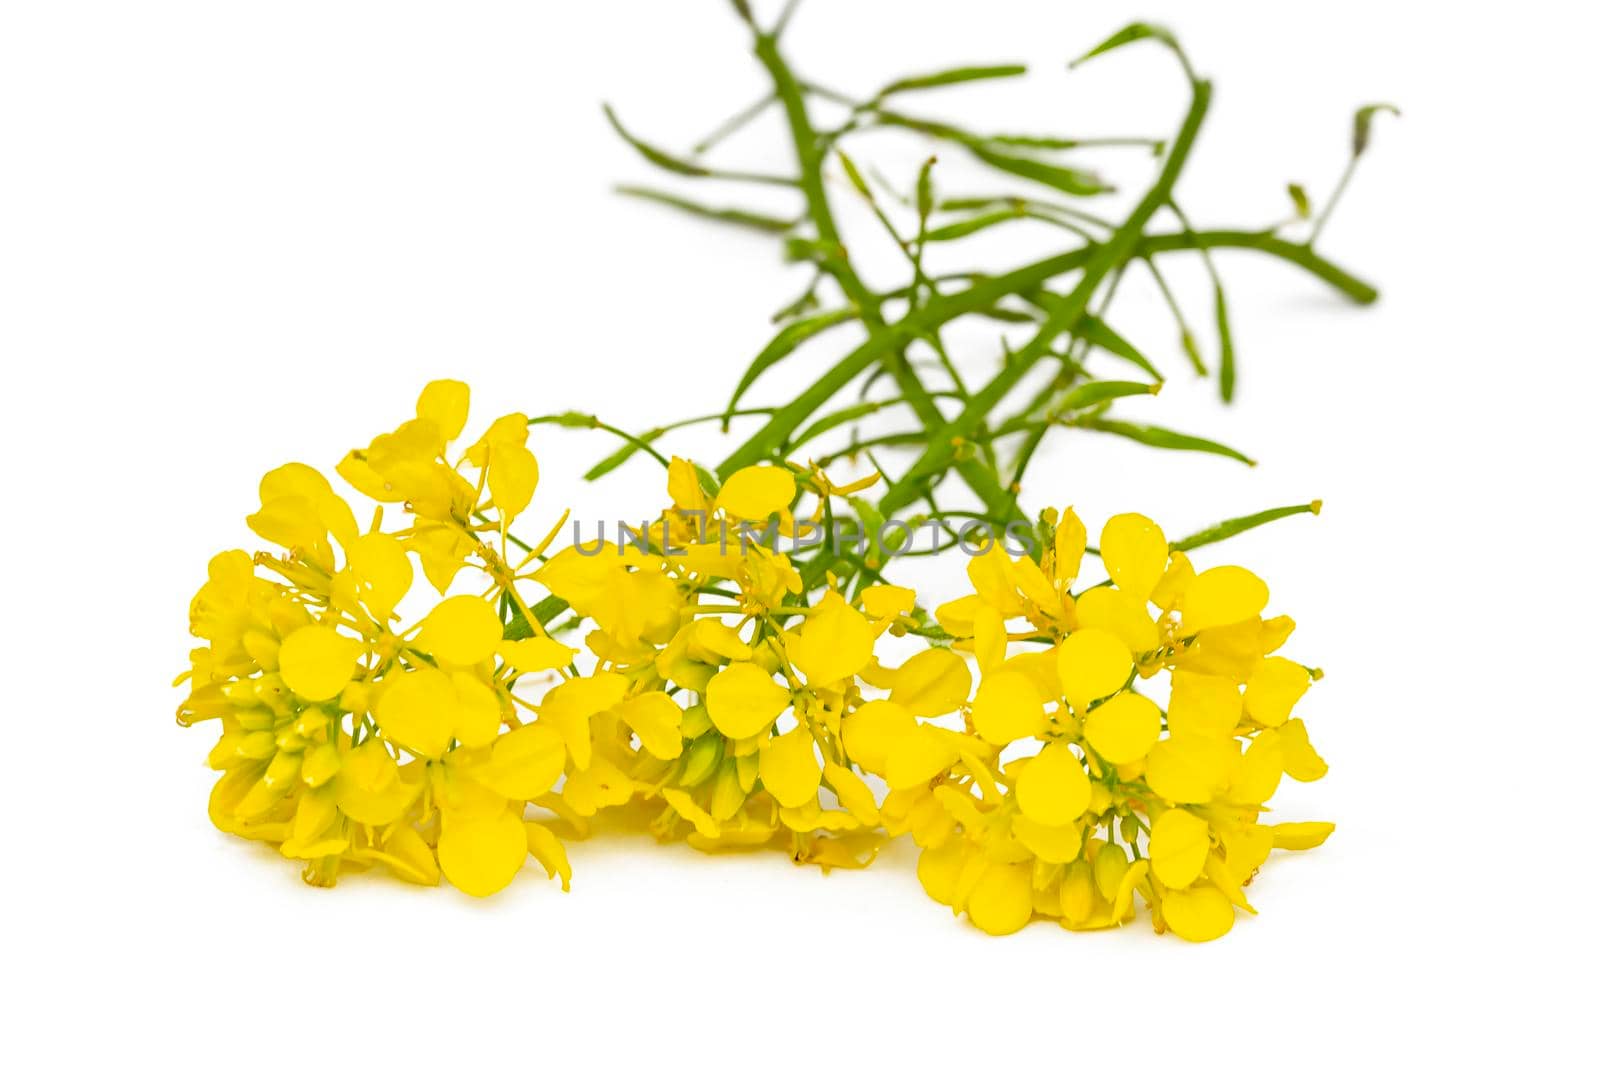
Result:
[
  {"x": 1122, "y": 244},
  {"x": 809, "y": 155}
]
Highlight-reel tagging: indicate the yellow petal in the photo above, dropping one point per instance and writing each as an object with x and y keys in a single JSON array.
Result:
[
  {"x": 684, "y": 805},
  {"x": 1219, "y": 874},
  {"x": 1002, "y": 900},
  {"x": 1203, "y": 913},
  {"x": 504, "y": 432},
  {"x": 1203, "y": 704},
  {"x": 1071, "y": 539},
  {"x": 1053, "y": 844},
  {"x": 994, "y": 576},
  {"x": 1007, "y": 707},
  {"x": 934, "y": 682},
  {"x": 461, "y": 630},
  {"x": 1179, "y": 845},
  {"x": 532, "y": 654},
  {"x": 444, "y": 403},
  {"x": 369, "y": 787},
  {"x": 526, "y": 762},
  {"x": 1077, "y": 893},
  {"x": 1052, "y": 789},
  {"x": 833, "y": 644},
  {"x": 1256, "y": 776},
  {"x": 1222, "y": 596},
  {"x": 1123, "y": 728},
  {"x": 1092, "y": 664},
  {"x": 887, "y": 601},
  {"x": 316, "y": 662},
  {"x": 939, "y": 870},
  {"x": 743, "y": 700},
  {"x": 477, "y": 711},
  {"x": 418, "y": 710},
  {"x": 1191, "y": 769},
  {"x": 409, "y": 856},
  {"x": 355, "y": 469},
  {"x": 873, "y": 730},
  {"x": 382, "y": 570},
  {"x": 656, "y": 720},
  {"x": 683, "y": 486},
  {"x": 513, "y": 477},
  {"x": 1300, "y": 760},
  {"x": 1173, "y": 584},
  {"x": 569, "y": 707},
  {"x": 756, "y": 492},
  {"x": 600, "y": 785},
  {"x": 545, "y": 847},
  {"x": 1298, "y": 836},
  {"x": 790, "y": 769},
  {"x": 1118, "y": 612},
  {"x": 919, "y": 755},
  {"x": 957, "y": 616},
  {"x": 1135, "y": 553},
  {"x": 292, "y": 480},
  {"x": 854, "y": 794},
  {"x": 989, "y": 638},
  {"x": 1273, "y": 689},
  {"x": 481, "y": 854}
]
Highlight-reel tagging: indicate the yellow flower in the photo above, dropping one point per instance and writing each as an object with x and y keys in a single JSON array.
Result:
[
  {"x": 1121, "y": 799},
  {"x": 348, "y": 739},
  {"x": 732, "y": 698}
]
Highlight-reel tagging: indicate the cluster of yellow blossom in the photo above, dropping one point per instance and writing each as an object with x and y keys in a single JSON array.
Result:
[
  {"x": 347, "y": 739},
  {"x": 732, "y": 697},
  {"x": 1058, "y": 832}
]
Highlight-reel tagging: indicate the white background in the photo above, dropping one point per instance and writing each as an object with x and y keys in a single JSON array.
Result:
[{"x": 233, "y": 234}]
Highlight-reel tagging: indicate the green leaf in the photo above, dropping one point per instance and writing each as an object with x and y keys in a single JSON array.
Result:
[
  {"x": 787, "y": 340},
  {"x": 733, "y": 216},
  {"x": 1361, "y": 135},
  {"x": 1068, "y": 180},
  {"x": 1158, "y": 437},
  {"x": 1134, "y": 31},
  {"x": 618, "y": 458},
  {"x": 545, "y": 611},
  {"x": 1089, "y": 394},
  {"x": 956, "y": 230},
  {"x": 1096, "y": 332},
  {"x": 955, "y": 76},
  {"x": 1233, "y": 527},
  {"x": 836, "y": 419},
  {"x": 654, "y": 154},
  {"x": 708, "y": 481}
]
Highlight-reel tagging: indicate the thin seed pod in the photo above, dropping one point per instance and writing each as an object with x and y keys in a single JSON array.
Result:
[
  {"x": 1222, "y": 531},
  {"x": 1159, "y": 437},
  {"x": 735, "y": 216},
  {"x": 954, "y": 76}
]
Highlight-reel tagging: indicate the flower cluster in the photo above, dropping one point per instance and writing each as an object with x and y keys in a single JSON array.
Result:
[
  {"x": 1116, "y": 795},
  {"x": 730, "y": 695},
  {"x": 351, "y": 740}
]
